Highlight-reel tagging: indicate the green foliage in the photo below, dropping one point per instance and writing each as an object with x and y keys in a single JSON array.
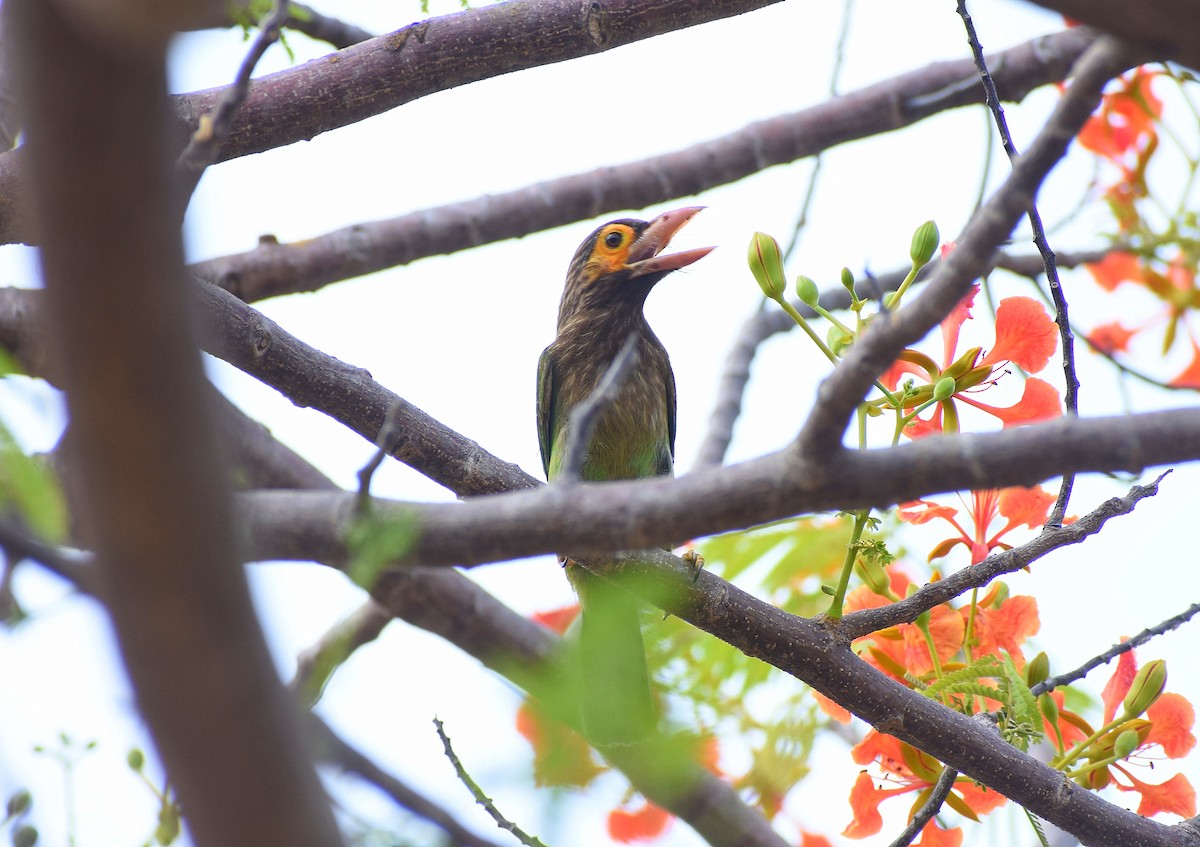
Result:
[
  {"x": 375, "y": 542},
  {"x": 28, "y": 486},
  {"x": 998, "y": 680}
]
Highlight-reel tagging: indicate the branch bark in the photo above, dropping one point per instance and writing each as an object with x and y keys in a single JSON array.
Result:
[
  {"x": 97, "y": 117},
  {"x": 272, "y": 269}
]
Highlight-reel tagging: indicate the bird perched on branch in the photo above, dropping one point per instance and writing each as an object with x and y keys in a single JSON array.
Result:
[{"x": 632, "y": 436}]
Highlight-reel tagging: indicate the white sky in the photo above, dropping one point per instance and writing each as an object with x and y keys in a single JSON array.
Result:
[{"x": 459, "y": 337}]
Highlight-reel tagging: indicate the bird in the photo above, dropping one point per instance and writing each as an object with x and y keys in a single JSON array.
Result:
[{"x": 607, "y": 283}]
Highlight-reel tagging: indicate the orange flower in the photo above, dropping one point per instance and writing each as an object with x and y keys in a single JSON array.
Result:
[
  {"x": 1115, "y": 269},
  {"x": 1025, "y": 336},
  {"x": 644, "y": 824},
  {"x": 1019, "y": 506},
  {"x": 1111, "y": 338},
  {"x": 1189, "y": 377},
  {"x": 911, "y": 770},
  {"x": 1124, "y": 124},
  {"x": 934, "y": 836},
  {"x": 560, "y": 755}
]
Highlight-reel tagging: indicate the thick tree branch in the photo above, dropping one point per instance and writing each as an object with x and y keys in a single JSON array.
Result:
[
  {"x": 273, "y": 269},
  {"x": 591, "y": 520},
  {"x": 1156, "y": 26},
  {"x": 97, "y": 118}
]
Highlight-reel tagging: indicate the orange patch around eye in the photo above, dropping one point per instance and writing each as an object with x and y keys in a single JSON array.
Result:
[{"x": 609, "y": 259}]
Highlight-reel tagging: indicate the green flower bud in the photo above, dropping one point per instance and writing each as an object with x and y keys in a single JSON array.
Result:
[
  {"x": 1038, "y": 669},
  {"x": 19, "y": 803},
  {"x": 807, "y": 291},
  {"x": 924, "y": 243},
  {"x": 944, "y": 388},
  {"x": 1147, "y": 687},
  {"x": 135, "y": 758},
  {"x": 837, "y": 339},
  {"x": 24, "y": 836},
  {"x": 1126, "y": 743},
  {"x": 766, "y": 263},
  {"x": 1049, "y": 708},
  {"x": 889, "y": 300},
  {"x": 848, "y": 281},
  {"x": 168, "y": 825}
]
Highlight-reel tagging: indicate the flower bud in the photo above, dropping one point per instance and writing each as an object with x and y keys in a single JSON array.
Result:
[
  {"x": 135, "y": 758},
  {"x": 1126, "y": 743},
  {"x": 807, "y": 291},
  {"x": 1048, "y": 706},
  {"x": 24, "y": 836},
  {"x": 1147, "y": 687},
  {"x": 766, "y": 263},
  {"x": 19, "y": 803},
  {"x": 924, "y": 243},
  {"x": 944, "y": 388},
  {"x": 837, "y": 339},
  {"x": 1038, "y": 669},
  {"x": 848, "y": 281}
]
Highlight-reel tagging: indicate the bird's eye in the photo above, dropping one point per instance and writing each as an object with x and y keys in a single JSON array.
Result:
[{"x": 613, "y": 240}]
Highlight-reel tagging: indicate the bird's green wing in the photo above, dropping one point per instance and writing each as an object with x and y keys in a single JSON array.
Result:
[{"x": 545, "y": 408}]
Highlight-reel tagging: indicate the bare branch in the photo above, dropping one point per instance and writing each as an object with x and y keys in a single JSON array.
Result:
[
  {"x": 482, "y": 799},
  {"x": 1111, "y": 653},
  {"x": 149, "y": 466},
  {"x": 214, "y": 126},
  {"x": 328, "y": 746},
  {"x": 1156, "y": 26},
  {"x": 1061, "y": 312},
  {"x": 592, "y": 521},
  {"x": 1052, "y": 537},
  {"x": 273, "y": 269}
]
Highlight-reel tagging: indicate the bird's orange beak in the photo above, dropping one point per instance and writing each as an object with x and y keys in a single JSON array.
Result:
[{"x": 645, "y": 253}]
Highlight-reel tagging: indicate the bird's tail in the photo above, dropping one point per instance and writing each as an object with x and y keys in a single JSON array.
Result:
[{"x": 614, "y": 683}]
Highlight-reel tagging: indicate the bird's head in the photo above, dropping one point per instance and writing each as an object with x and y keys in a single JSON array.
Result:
[{"x": 621, "y": 261}]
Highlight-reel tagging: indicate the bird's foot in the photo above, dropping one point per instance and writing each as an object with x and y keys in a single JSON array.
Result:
[{"x": 696, "y": 561}]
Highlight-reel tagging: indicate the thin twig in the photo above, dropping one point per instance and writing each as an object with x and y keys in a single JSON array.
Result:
[
  {"x": 315, "y": 665},
  {"x": 328, "y": 746},
  {"x": 1116, "y": 650},
  {"x": 866, "y": 621},
  {"x": 477, "y": 792},
  {"x": 18, "y": 544},
  {"x": 586, "y": 415},
  {"x": 205, "y": 144},
  {"x": 384, "y": 442},
  {"x": 941, "y": 790},
  {"x": 1061, "y": 316}
]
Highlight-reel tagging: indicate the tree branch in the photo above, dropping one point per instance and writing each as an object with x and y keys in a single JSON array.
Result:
[
  {"x": 591, "y": 520},
  {"x": 1155, "y": 26},
  {"x": 273, "y": 269},
  {"x": 112, "y": 262}
]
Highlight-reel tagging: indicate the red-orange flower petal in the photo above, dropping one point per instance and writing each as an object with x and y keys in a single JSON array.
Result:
[
  {"x": 644, "y": 824},
  {"x": 934, "y": 836},
  {"x": 1039, "y": 402},
  {"x": 557, "y": 619},
  {"x": 953, "y": 322},
  {"x": 922, "y": 511},
  {"x": 809, "y": 839},
  {"x": 1118, "y": 684},
  {"x": 1025, "y": 335},
  {"x": 1176, "y": 796},
  {"x": 864, "y": 802},
  {"x": 1114, "y": 269},
  {"x": 981, "y": 800},
  {"x": 1025, "y": 506},
  {"x": 832, "y": 709},
  {"x": 1172, "y": 718},
  {"x": 1189, "y": 377},
  {"x": 1111, "y": 338}
]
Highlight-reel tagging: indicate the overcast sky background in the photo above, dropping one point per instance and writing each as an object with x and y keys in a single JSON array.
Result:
[{"x": 460, "y": 336}]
